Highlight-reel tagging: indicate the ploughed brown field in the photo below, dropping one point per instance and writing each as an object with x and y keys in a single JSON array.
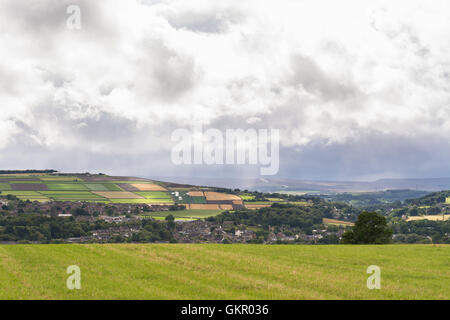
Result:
[
  {"x": 28, "y": 186},
  {"x": 216, "y": 196},
  {"x": 195, "y": 193}
]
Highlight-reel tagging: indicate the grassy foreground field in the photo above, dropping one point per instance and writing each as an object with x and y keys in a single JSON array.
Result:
[{"x": 198, "y": 271}]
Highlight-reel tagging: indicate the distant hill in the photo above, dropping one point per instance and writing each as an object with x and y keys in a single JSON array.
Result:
[
  {"x": 370, "y": 199},
  {"x": 430, "y": 199},
  {"x": 268, "y": 184}
]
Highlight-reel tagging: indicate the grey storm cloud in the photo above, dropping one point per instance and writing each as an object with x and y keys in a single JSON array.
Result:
[{"x": 358, "y": 90}]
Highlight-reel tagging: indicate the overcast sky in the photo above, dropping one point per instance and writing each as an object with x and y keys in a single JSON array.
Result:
[{"x": 358, "y": 89}]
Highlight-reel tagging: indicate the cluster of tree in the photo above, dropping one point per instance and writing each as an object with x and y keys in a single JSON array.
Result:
[
  {"x": 422, "y": 231},
  {"x": 419, "y": 211},
  {"x": 154, "y": 231},
  {"x": 35, "y": 227},
  {"x": 430, "y": 199},
  {"x": 264, "y": 196},
  {"x": 376, "y": 200},
  {"x": 301, "y": 218}
]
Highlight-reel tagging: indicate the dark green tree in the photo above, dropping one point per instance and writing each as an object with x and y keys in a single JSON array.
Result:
[
  {"x": 170, "y": 221},
  {"x": 370, "y": 228}
]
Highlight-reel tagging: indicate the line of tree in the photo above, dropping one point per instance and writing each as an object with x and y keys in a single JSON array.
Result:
[{"x": 27, "y": 171}]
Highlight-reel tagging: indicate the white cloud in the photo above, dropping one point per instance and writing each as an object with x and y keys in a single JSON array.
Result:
[{"x": 323, "y": 72}]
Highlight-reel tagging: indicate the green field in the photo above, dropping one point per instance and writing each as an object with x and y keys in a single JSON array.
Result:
[
  {"x": 5, "y": 186},
  {"x": 112, "y": 187},
  {"x": 96, "y": 187},
  {"x": 25, "y": 182},
  {"x": 154, "y": 195},
  {"x": 183, "y": 271},
  {"x": 66, "y": 187},
  {"x": 22, "y": 193},
  {"x": 137, "y": 201},
  {"x": 59, "y": 178}
]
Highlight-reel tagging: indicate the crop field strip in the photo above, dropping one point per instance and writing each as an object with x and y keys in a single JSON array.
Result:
[
  {"x": 247, "y": 197},
  {"x": 154, "y": 194},
  {"x": 195, "y": 206},
  {"x": 102, "y": 187},
  {"x": 337, "y": 222},
  {"x": 148, "y": 187},
  {"x": 216, "y": 196},
  {"x": 66, "y": 186},
  {"x": 437, "y": 217},
  {"x": 118, "y": 195},
  {"x": 196, "y": 194},
  {"x": 142, "y": 201},
  {"x": 96, "y": 187}
]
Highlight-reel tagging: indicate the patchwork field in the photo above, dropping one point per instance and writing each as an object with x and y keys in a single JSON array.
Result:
[
  {"x": 108, "y": 189},
  {"x": 73, "y": 188},
  {"x": 160, "y": 271}
]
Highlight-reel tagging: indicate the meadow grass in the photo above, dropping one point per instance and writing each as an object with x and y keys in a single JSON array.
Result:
[{"x": 214, "y": 271}]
